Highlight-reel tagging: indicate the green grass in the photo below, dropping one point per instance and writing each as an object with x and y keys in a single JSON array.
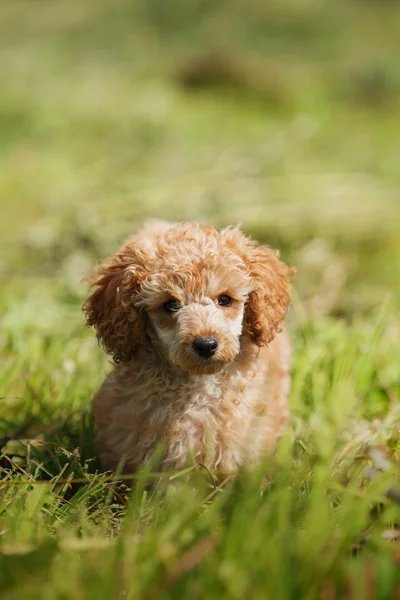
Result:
[{"x": 97, "y": 133}]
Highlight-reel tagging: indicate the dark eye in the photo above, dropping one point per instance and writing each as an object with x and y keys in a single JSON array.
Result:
[
  {"x": 224, "y": 300},
  {"x": 172, "y": 306}
]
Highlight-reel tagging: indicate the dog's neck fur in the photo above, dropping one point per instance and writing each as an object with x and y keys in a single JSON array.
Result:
[{"x": 149, "y": 366}]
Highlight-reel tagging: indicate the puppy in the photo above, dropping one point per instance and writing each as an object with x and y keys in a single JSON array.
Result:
[{"x": 193, "y": 319}]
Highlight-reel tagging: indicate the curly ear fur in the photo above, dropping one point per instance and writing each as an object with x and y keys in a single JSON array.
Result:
[
  {"x": 268, "y": 303},
  {"x": 110, "y": 308}
]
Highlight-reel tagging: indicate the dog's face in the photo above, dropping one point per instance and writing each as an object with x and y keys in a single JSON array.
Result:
[
  {"x": 191, "y": 292},
  {"x": 195, "y": 309}
]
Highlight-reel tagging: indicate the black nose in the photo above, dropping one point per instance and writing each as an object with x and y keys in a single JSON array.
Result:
[{"x": 205, "y": 346}]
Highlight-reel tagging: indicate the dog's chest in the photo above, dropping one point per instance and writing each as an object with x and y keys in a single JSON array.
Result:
[
  {"x": 202, "y": 419},
  {"x": 208, "y": 423}
]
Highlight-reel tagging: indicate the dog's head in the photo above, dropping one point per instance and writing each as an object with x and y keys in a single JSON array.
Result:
[{"x": 192, "y": 292}]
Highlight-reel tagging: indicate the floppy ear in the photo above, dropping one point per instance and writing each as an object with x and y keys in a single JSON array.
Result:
[
  {"x": 269, "y": 301},
  {"x": 110, "y": 308}
]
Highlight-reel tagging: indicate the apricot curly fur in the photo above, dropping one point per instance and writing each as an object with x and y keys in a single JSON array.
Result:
[{"x": 220, "y": 410}]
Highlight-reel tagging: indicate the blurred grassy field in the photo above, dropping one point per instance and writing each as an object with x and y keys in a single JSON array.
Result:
[{"x": 283, "y": 116}]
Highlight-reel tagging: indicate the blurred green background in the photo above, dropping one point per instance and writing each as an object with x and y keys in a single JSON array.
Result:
[{"x": 282, "y": 115}]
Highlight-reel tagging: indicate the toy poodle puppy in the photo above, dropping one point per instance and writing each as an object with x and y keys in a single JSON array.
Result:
[{"x": 193, "y": 319}]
